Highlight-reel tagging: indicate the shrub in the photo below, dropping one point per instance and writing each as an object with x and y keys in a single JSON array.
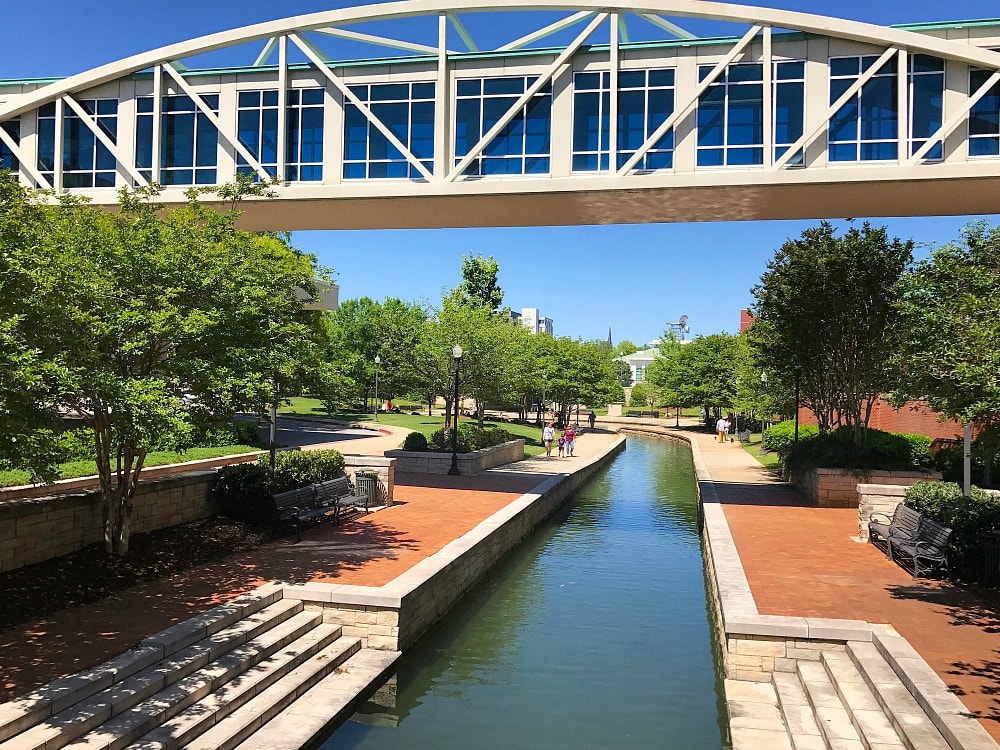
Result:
[
  {"x": 781, "y": 436},
  {"x": 242, "y": 493},
  {"x": 230, "y": 433},
  {"x": 440, "y": 441},
  {"x": 470, "y": 438},
  {"x": 969, "y": 518},
  {"x": 415, "y": 441},
  {"x": 294, "y": 469},
  {"x": 837, "y": 450},
  {"x": 77, "y": 445}
]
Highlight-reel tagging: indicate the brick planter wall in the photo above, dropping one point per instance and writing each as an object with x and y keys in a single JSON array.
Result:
[
  {"x": 838, "y": 488},
  {"x": 430, "y": 462},
  {"x": 39, "y": 528}
]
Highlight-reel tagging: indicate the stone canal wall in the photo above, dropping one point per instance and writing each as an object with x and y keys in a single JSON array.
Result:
[{"x": 394, "y": 616}]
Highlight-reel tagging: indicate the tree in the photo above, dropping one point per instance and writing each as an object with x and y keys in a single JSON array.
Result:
[
  {"x": 625, "y": 347},
  {"x": 950, "y": 310},
  {"x": 826, "y": 307},
  {"x": 155, "y": 321},
  {"x": 479, "y": 282},
  {"x": 622, "y": 372},
  {"x": 699, "y": 373}
]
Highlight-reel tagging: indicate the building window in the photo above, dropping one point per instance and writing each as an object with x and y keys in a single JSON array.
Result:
[
  {"x": 304, "y": 149},
  {"x": 407, "y": 110},
  {"x": 640, "y": 373},
  {"x": 731, "y": 117},
  {"x": 984, "y": 117},
  {"x": 645, "y": 101},
  {"x": 524, "y": 144},
  {"x": 789, "y": 107},
  {"x": 7, "y": 158},
  {"x": 86, "y": 162},
  {"x": 866, "y": 128},
  {"x": 926, "y": 82},
  {"x": 189, "y": 142},
  {"x": 257, "y": 129}
]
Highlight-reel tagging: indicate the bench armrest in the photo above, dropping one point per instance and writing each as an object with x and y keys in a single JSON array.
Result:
[
  {"x": 879, "y": 518},
  {"x": 288, "y": 512}
]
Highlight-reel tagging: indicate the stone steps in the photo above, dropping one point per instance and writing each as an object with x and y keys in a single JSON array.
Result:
[{"x": 207, "y": 682}]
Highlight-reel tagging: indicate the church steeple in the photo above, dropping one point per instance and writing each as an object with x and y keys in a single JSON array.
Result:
[{"x": 609, "y": 338}]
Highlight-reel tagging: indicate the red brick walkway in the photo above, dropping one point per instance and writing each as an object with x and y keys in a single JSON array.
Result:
[{"x": 801, "y": 561}]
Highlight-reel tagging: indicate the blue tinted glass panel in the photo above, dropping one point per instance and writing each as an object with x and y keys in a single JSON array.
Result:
[
  {"x": 844, "y": 66},
  {"x": 270, "y": 98},
  {"x": 390, "y": 92},
  {"x": 878, "y": 109},
  {"x": 586, "y": 121},
  {"x": 711, "y": 121},
  {"x": 785, "y": 71},
  {"x": 928, "y": 94},
  {"x": 587, "y": 81},
  {"x": 145, "y": 104},
  {"x": 630, "y": 79},
  {"x": 312, "y": 97},
  {"x": 789, "y": 105},
  {"x": 144, "y": 142},
  {"x": 927, "y": 64},
  {"x": 423, "y": 91},
  {"x": 249, "y": 99},
  {"x": 844, "y": 152},
  {"x": 711, "y": 157},
  {"x": 984, "y": 147},
  {"x": 746, "y": 72},
  {"x": 470, "y": 88},
  {"x": 492, "y": 86},
  {"x": 661, "y": 78}
]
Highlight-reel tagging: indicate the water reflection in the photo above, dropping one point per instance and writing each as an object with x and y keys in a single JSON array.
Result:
[{"x": 592, "y": 634}]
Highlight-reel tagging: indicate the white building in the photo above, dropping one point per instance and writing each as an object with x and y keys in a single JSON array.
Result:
[
  {"x": 532, "y": 319},
  {"x": 638, "y": 362}
]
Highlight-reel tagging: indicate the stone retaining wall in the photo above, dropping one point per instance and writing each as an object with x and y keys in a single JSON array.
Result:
[
  {"x": 837, "y": 488},
  {"x": 877, "y": 498},
  {"x": 431, "y": 462},
  {"x": 39, "y": 528},
  {"x": 394, "y": 616}
]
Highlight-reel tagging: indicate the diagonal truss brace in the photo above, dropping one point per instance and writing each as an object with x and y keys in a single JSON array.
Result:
[
  {"x": 807, "y": 138},
  {"x": 547, "y": 31},
  {"x": 545, "y": 77},
  {"x": 463, "y": 32},
  {"x": 265, "y": 53},
  {"x": 110, "y": 145},
  {"x": 664, "y": 24},
  {"x": 321, "y": 65},
  {"x": 225, "y": 132},
  {"x": 953, "y": 122},
  {"x": 379, "y": 41},
  {"x": 23, "y": 164},
  {"x": 681, "y": 112}
]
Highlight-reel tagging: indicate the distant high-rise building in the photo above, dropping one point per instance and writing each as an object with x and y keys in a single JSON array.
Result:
[{"x": 532, "y": 319}]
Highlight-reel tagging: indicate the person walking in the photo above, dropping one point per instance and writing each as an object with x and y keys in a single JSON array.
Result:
[
  {"x": 592, "y": 419},
  {"x": 720, "y": 428},
  {"x": 725, "y": 432},
  {"x": 548, "y": 435},
  {"x": 562, "y": 445},
  {"x": 570, "y": 434}
]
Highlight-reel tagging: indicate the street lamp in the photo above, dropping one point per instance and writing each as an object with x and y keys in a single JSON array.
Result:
[
  {"x": 456, "y": 355},
  {"x": 378, "y": 361},
  {"x": 763, "y": 386}
]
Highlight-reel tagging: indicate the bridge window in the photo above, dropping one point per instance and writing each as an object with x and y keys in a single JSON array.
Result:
[
  {"x": 731, "y": 117},
  {"x": 984, "y": 117},
  {"x": 7, "y": 158},
  {"x": 304, "y": 150},
  {"x": 926, "y": 81},
  {"x": 257, "y": 129},
  {"x": 523, "y": 146},
  {"x": 86, "y": 162},
  {"x": 407, "y": 110},
  {"x": 867, "y": 127},
  {"x": 789, "y": 107},
  {"x": 645, "y": 101},
  {"x": 189, "y": 142}
]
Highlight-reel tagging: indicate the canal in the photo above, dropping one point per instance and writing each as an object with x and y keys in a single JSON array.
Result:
[{"x": 595, "y": 633}]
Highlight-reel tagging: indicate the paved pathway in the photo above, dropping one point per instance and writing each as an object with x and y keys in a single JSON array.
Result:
[
  {"x": 801, "y": 560},
  {"x": 369, "y": 550}
]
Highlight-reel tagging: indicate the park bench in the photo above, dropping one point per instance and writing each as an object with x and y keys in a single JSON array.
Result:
[
  {"x": 927, "y": 552},
  {"x": 315, "y": 503},
  {"x": 902, "y": 526}
]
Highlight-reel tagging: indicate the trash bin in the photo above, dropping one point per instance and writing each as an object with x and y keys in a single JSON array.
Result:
[
  {"x": 366, "y": 485},
  {"x": 991, "y": 558}
]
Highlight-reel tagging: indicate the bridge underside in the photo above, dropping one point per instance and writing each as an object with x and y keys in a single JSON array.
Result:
[{"x": 520, "y": 206}]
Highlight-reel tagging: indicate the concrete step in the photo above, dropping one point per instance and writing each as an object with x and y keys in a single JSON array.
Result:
[
  {"x": 330, "y": 703},
  {"x": 797, "y": 713},
  {"x": 232, "y": 730},
  {"x": 831, "y": 716},
  {"x": 134, "y": 722},
  {"x": 34, "y": 707},
  {"x": 873, "y": 726},
  {"x": 911, "y": 722},
  {"x": 195, "y": 720},
  {"x": 754, "y": 719}
]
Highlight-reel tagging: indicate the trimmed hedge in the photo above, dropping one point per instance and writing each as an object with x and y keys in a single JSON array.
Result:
[
  {"x": 781, "y": 436},
  {"x": 970, "y": 518},
  {"x": 470, "y": 438},
  {"x": 244, "y": 490},
  {"x": 836, "y": 449},
  {"x": 415, "y": 441}
]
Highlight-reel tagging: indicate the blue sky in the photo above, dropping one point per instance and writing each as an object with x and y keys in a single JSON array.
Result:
[{"x": 633, "y": 279}]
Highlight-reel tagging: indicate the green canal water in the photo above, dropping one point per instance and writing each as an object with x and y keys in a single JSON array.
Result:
[{"x": 595, "y": 633}]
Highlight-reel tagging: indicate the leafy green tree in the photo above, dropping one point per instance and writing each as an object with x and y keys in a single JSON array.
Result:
[
  {"x": 624, "y": 348},
  {"x": 622, "y": 372},
  {"x": 950, "y": 310},
  {"x": 640, "y": 396},
  {"x": 479, "y": 282},
  {"x": 580, "y": 373},
  {"x": 155, "y": 321},
  {"x": 826, "y": 307},
  {"x": 699, "y": 373}
]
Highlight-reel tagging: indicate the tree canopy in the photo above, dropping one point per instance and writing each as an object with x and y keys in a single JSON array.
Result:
[{"x": 479, "y": 282}]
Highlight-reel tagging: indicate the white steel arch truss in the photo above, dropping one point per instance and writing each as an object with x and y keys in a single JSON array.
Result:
[{"x": 583, "y": 18}]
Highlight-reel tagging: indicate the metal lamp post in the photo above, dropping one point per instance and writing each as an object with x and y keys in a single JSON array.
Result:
[
  {"x": 456, "y": 355},
  {"x": 378, "y": 361},
  {"x": 763, "y": 385}
]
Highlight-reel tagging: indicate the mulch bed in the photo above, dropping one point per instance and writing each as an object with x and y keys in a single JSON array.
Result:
[{"x": 89, "y": 575}]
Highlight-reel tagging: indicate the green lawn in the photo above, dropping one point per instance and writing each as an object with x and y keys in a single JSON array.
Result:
[
  {"x": 753, "y": 448},
  {"x": 73, "y": 469}
]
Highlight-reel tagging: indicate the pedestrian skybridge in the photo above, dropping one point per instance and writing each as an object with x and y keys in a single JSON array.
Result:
[{"x": 411, "y": 114}]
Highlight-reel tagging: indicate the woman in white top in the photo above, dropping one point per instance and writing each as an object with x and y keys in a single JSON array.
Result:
[{"x": 548, "y": 435}]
